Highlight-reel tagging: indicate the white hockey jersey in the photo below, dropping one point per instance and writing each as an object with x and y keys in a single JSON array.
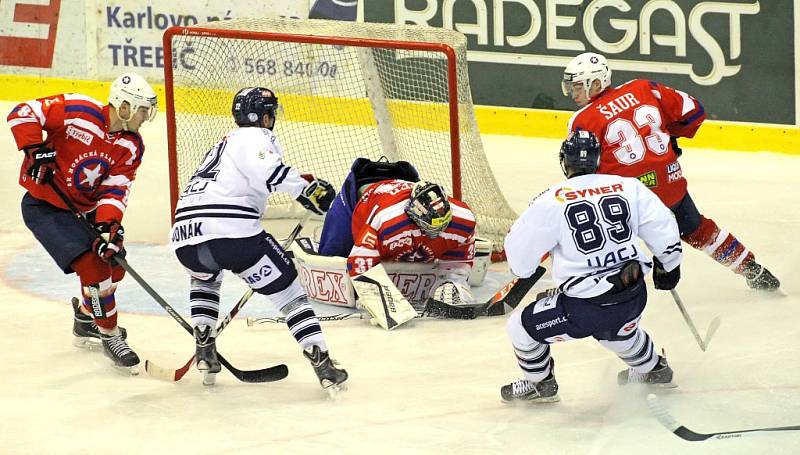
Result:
[
  {"x": 227, "y": 195},
  {"x": 591, "y": 226}
]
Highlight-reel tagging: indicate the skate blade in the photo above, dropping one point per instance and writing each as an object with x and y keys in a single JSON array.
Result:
[
  {"x": 127, "y": 371},
  {"x": 534, "y": 401},
  {"x": 88, "y": 343},
  {"x": 209, "y": 379},
  {"x": 333, "y": 390}
]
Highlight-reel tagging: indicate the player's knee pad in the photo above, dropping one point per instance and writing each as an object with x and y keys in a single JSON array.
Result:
[
  {"x": 624, "y": 344},
  {"x": 289, "y": 299},
  {"x": 704, "y": 235},
  {"x": 117, "y": 273},
  {"x": 91, "y": 269},
  {"x": 520, "y": 338}
]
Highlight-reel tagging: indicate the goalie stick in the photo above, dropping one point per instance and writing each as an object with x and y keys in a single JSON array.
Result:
[
  {"x": 663, "y": 416},
  {"x": 511, "y": 294},
  {"x": 274, "y": 373},
  {"x": 175, "y": 375}
]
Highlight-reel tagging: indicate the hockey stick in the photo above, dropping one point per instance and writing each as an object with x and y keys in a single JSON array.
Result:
[
  {"x": 175, "y": 375},
  {"x": 663, "y": 416},
  {"x": 712, "y": 327},
  {"x": 274, "y": 373},
  {"x": 510, "y": 294}
]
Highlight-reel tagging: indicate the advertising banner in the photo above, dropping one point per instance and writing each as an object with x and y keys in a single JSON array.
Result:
[
  {"x": 129, "y": 32},
  {"x": 45, "y": 37},
  {"x": 736, "y": 56}
]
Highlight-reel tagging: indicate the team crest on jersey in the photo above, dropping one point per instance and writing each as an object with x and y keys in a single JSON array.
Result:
[
  {"x": 89, "y": 174},
  {"x": 649, "y": 179}
]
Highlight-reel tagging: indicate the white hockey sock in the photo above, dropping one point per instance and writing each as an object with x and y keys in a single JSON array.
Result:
[
  {"x": 204, "y": 301},
  {"x": 637, "y": 351}
]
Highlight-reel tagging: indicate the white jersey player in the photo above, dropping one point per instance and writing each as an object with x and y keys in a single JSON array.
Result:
[
  {"x": 590, "y": 224},
  {"x": 218, "y": 227}
]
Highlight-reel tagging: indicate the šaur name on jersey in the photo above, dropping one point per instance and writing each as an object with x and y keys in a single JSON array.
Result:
[
  {"x": 591, "y": 225},
  {"x": 227, "y": 195}
]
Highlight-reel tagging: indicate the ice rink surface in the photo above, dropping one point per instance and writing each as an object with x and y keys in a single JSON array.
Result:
[{"x": 429, "y": 387}]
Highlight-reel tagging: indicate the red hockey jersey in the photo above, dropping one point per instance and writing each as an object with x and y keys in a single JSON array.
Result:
[
  {"x": 633, "y": 123},
  {"x": 382, "y": 230},
  {"x": 95, "y": 168}
]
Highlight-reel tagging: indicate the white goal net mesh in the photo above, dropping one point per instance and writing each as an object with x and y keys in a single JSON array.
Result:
[{"x": 347, "y": 90}]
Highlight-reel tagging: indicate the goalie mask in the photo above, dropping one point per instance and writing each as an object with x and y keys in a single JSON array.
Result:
[
  {"x": 133, "y": 89},
  {"x": 585, "y": 69},
  {"x": 251, "y": 104},
  {"x": 580, "y": 154},
  {"x": 429, "y": 208}
]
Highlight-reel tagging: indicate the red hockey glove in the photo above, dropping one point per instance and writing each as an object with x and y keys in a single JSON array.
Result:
[
  {"x": 44, "y": 163},
  {"x": 109, "y": 243}
]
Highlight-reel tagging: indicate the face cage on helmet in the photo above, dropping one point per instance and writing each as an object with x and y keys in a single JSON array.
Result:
[{"x": 415, "y": 210}]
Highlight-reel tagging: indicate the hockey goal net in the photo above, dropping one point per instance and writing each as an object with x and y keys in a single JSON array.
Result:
[{"x": 346, "y": 90}]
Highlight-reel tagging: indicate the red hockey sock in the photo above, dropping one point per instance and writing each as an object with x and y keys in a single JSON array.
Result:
[{"x": 720, "y": 244}]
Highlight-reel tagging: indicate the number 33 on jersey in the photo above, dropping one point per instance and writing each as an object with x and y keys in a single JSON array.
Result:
[{"x": 633, "y": 123}]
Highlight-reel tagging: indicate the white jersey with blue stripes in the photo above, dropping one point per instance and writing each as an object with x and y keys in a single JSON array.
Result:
[
  {"x": 591, "y": 226},
  {"x": 226, "y": 197}
]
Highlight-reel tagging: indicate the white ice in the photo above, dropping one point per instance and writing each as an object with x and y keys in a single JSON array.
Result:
[{"x": 430, "y": 387}]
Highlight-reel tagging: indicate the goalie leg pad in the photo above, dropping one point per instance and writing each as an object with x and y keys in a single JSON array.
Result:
[{"x": 382, "y": 299}]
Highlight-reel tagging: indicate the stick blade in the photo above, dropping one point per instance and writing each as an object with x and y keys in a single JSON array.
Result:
[
  {"x": 712, "y": 329},
  {"x": 166, "y": 374}
]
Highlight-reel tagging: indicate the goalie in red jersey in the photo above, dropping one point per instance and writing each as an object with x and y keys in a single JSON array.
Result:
[
  {"x": 90, "y": 151},
  {"x": 638, "y": 124},
  {"x": 384, "y": 213}
]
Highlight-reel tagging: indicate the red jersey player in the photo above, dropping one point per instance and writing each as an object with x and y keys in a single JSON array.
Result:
[
  {"x": 91, "y": 152},
  {"x": 397, "y": 220},
  {"x": 638, "y": 124}
]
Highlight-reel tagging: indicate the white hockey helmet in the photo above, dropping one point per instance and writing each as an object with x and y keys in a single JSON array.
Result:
[
  {"x": 586, "y": 68},
  {"x": 136, "y": 91}
]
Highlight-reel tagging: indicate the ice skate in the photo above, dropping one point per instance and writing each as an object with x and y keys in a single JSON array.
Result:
[
  {"x": 206, "y": 354},
  {"x": 544, "y": 391},
  {"x": 85, "y": 330},
  {"x": 758, "y": 277},
  {"x": 660, "y": 376},
  {"x": 116, "y": 348},
  {"x": 330, "y": 377}
]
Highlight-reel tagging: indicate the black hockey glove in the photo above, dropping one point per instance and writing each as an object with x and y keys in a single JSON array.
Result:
[
  {"x": 109, "y": 243},
  {"x": 665, "y": 280},
  {"x": 44, "y": 163},
  {"x": 317, "y": 196},
  {"x": 673, "y": 141}
]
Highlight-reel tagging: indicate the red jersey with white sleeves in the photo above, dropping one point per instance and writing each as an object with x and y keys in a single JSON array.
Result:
[
  {"x": 634, "y": 123},
  {"x": 95, "y": 168},
  {"x": 382, "y": 230}
]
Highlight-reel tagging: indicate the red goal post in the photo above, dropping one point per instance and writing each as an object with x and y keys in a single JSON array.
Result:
[{"x": 347, "y": 90}]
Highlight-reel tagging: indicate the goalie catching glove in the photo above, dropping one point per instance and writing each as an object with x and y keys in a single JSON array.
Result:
[
  {"x": 317, "y": 196},
  {"x": 109, "y": 242},
  {"x": 452, "y": 297}
]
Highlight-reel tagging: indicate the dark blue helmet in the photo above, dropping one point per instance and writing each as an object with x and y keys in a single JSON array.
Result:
[
  {"x": 580, "y": 154},
  {"x": 250, "y": 104}
]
